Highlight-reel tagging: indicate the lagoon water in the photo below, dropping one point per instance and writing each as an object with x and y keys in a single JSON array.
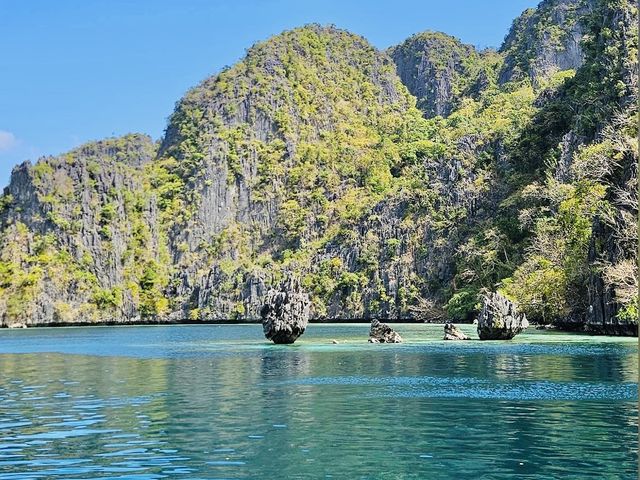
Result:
[{"x": 220, "y": 402}]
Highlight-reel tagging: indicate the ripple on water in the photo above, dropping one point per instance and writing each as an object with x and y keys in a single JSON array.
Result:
[
  {"x": 441, "y": 387},
  {"x": 208, "y": 405}
]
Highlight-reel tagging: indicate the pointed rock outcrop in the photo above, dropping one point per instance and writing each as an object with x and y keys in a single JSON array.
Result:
[
  {"x": 383, "y": 333},
  {"x": 500, "y": 319},
  {"x": 451, "y": 332},
  {"x": 545, "y": 40},
  {"x": 285, "y": 313},
  {"x": 440, "y": 70}
]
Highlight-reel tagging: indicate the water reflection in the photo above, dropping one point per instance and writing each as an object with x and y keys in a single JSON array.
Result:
[{"x": 221, "y": 403}]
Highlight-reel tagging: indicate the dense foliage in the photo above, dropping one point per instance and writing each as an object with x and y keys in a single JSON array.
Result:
[{"x": 311, "y": 158}]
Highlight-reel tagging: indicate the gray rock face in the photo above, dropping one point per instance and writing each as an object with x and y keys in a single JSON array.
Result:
[
  {"x": 78, "y": 209},
  {"x": 545, "y": 40},
  {"x": 499, "y": 319},
  {"x": 608, "y": 243},
  {"x": 116, "y": 260},
  {"x": 383, "y": 333},
  {"x": 232, "y": 194},
  {"x": 285, "y": 313},
  {"x": 451, "y": 332},
  {"x": 434, "y": 67},
  {"x": 602, "y": 311},
  {"x": 116, "y": 229}
]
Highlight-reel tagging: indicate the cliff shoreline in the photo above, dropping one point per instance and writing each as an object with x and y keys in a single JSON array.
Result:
[
  {"x": 578, "y": 328},
  {"x": 404, "y": 183}
]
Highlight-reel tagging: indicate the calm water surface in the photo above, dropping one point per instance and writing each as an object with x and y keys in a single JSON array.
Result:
[{"x": 219, "y": 402}]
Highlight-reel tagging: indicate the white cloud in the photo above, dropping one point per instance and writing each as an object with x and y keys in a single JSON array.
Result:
[{"x": 7, "y": 141}]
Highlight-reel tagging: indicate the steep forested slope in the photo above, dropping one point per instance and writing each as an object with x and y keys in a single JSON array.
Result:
[
  {"x": 440, "y": 71},
  {"x": 399, "y": 184},
  {"x": 579, "y": 160},
  {"x": 78, "y": 231}
]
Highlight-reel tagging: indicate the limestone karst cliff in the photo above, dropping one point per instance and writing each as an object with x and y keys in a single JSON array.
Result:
[
  {"x": 440, "y": 71},
  {"x": 397, "y": 184}
]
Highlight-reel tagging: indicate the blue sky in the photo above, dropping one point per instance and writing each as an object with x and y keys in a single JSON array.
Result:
[{"x": 72, "y": 71}]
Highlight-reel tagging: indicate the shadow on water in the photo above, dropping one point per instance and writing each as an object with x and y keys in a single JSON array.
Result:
[{"x": 220, "y": 402}]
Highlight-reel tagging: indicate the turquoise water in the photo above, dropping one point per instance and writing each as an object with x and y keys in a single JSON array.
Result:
[{"x": 219, "y": 402}]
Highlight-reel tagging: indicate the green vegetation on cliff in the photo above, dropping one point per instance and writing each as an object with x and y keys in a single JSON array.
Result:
[
  {"x": 440, "y": 71},
  {"x": 78, "y": 240},
  {"x": 312, "y": 157}
]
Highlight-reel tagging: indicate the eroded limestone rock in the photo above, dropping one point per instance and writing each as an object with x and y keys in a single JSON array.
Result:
[
  {"x": 500, "y": 319},
  {"x": 285, "y": 313},
  {"x": 383, "y": 333},
  {"x": 451, "y": 332}
]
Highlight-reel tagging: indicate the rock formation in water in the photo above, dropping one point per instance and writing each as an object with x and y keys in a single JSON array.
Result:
[
  {"x": 451, "y": 332},
  {"x": 395, "y": 185},
  {"x": 500, "y": 319},
  {"x": 383, "y": 333},
  {"x": 285, "y": 313}
]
